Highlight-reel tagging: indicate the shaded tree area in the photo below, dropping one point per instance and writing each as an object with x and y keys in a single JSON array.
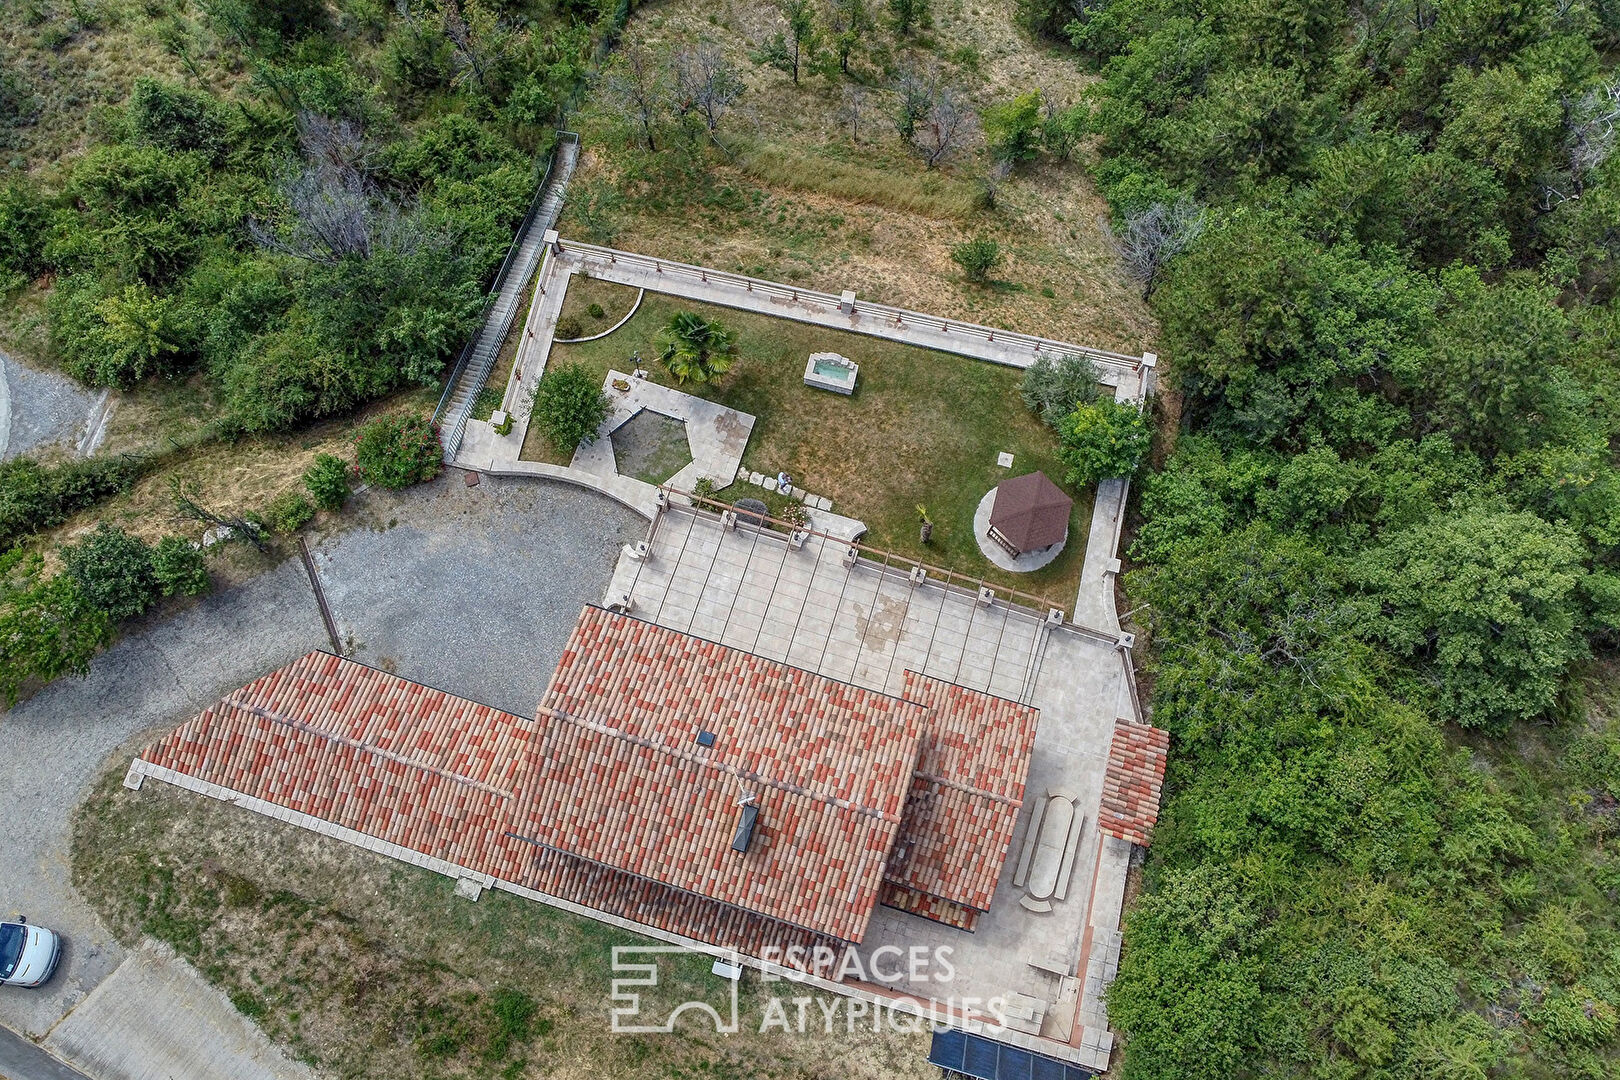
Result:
[
  {"x": 323, "y": 236},
  {"x": 1380, "y": 569}
]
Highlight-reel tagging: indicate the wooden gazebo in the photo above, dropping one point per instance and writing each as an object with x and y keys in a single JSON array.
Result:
[{"x": 1029, "y": 513}]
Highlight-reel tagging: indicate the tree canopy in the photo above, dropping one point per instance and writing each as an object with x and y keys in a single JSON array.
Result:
[{"x": 1378, "y": 571}]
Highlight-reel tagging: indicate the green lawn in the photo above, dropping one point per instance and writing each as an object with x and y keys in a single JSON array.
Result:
[{"x": 922, "y": 428}]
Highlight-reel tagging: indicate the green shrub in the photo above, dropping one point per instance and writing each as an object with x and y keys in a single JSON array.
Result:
[
  {"x": 1574, "y": 1017},
  {"x": 569, "y": 328},
  {"x": 327, "y": 480},
  {"x": 117, "y": 338},
  {"x": 1054, "y": 386},
  {"x": 1013, "y": 128},
  {"x": 35, "y": 497},
  {"x": 176, "y": 118},
  {"x": 595, "y": 311},
  {"x": 179, "y": 567},
  {"x": 23, "y": 221},
  {"x": 47, "y": 628},
  {"x": 1102, "y": 440},
  {"x": 569, "y": 406},
  {"x": 703, "y": 487},
  {"x": 977, "y": 257},
  {"x": 288, "y": 512},
  {"x": 112, "y": 570},
  {"x": 1490, "y": 599},
  {"x": 398, "y": 451}
]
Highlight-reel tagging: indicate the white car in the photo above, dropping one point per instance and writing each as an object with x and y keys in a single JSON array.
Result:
[{"x": 28, "y": 954}]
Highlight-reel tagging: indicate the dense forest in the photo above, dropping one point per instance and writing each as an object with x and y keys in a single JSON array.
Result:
[
  {"x": 317, "y": 235},
  {"x": 1380, "y": 566}
]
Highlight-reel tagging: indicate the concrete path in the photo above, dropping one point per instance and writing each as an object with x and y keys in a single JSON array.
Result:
[
  {"x": 155, "y": 1019},
  {"x": 434, "y": 589},
  {"x": 715, "y": 435},
  {"x": 824, "y": 309}
]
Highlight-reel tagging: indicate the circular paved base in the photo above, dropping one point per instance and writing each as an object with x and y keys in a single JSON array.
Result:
[{"x": 1030, "y": 560}]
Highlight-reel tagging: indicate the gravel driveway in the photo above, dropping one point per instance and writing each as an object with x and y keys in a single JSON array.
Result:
[
  {"x": 41, "y": 409},
  {"x": 472, "y": 590}
]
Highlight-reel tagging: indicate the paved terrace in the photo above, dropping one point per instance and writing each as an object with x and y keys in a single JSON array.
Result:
[{"x": 863, "y": 622}]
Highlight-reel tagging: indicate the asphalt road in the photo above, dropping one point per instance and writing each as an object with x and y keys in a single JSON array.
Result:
[
  {"x": 472, "y": 590},
  {"x": 22, "y": 1060}
]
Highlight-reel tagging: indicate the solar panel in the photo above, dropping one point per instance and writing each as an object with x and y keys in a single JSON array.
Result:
[{"x": 985, "y": 1059}]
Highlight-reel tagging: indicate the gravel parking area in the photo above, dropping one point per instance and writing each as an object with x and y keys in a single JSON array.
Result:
[{"x": 473, "y": 590}]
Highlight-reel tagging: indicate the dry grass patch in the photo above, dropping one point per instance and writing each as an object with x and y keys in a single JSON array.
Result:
[
  {"x": 79, "y": 56},
  {"x": 228, "y": 477},
  {"x": 931, "y": 194},
  {"x": 803, "y": 201}
]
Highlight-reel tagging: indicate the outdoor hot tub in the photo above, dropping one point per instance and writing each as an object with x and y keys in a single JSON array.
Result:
[{"x": 829, "y": 371}]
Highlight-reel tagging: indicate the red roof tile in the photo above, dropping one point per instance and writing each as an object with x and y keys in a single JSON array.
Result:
[
  {"x": 363, "y": 749},
  {"x": 928, "y": 907},
  {"x": 622, "y": 780},
  {"x": 1133, "y": 782},
  {"x": 966, "y": 793},
  {"x": 609, "y": 801}
]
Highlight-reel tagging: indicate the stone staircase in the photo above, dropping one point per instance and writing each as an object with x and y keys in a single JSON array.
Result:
[{"x": 508, "y": 295}]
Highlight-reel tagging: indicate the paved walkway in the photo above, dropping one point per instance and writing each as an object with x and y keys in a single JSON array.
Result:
[
  {"x": 43, "y": 410},
  {"x": 156, "y": 1019},
  {"x": 715, "y": 435},
  {"x": 22, "y": 1060},
  {"x": 844, "y": 312}
]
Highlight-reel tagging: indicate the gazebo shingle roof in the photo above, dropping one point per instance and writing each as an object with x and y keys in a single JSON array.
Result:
[{"x": 1030, "y": 511}]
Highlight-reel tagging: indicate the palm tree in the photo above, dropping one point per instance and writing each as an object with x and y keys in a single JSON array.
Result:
[{"x": 693, "y": 348}]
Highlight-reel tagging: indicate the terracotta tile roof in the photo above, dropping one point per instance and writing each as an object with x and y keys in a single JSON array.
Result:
[
  {"x": 965, "y": 796},
  {"x": 1133, "y": 782},
  {"x": 667, "y": 909},
  {"x": 621, "y": 779},
  {"x": 928, "y": 907},
  {"x": 609, "y": 801},
  {"x": 363, "y": 749}
]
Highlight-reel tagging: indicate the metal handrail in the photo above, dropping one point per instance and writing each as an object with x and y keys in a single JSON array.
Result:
[
  {"x": 500, "y": 275},
  {"x": 901, "y": 316}
]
